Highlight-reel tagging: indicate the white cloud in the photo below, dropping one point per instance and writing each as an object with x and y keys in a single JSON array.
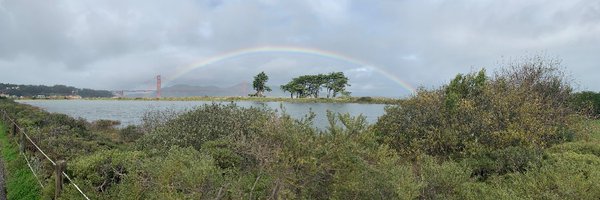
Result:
[
  {"x": 410, "y": 57},
  {"x": 331, "y": 10}
]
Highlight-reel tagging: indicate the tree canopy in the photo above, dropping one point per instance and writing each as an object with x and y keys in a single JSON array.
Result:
[
  {"x": 259, "y": 84},
  {"x": 311, "y": 85}
]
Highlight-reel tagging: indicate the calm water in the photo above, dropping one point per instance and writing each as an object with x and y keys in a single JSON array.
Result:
[{"x": 130, "y": 112}]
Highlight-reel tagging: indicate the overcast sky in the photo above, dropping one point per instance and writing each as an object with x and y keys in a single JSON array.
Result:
[{"x": 119, "y": 44}]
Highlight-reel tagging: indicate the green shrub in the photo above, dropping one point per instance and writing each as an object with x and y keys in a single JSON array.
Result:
[
  {"x": 183, "y": 173},
  {"x": 589, "y": 130},
  {"x": 587, "y": 102},
  {"x": 206, "y": 123},
  {"x": 580, "y": 147},
  {"x": 104, "y": 124},
  {"x": 364, "y": 99},
  {"x": 503, "y": 161},
  {"x": 130, "y": 133},
  {"x": 441, "y": 180},
  {"x": 523, "y": 106},
  {"x": 563, "y": 176},
  {"x": 224, "y": 153},
  {"x": 105, "y": 169}
]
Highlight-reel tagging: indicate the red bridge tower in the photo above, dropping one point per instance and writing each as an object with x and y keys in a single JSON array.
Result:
[{"x": 158, "y": 86}]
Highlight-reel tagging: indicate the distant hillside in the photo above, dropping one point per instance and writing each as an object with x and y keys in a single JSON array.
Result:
[
  {"x": 56, "y": 90},
  {"x": 241, "y": 89}
]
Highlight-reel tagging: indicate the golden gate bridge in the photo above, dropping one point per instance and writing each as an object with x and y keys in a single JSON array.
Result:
[{"x": 121, "y": 93}]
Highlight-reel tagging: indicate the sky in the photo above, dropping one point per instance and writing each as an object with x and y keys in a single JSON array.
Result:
[{"x": 385, "y": 47}]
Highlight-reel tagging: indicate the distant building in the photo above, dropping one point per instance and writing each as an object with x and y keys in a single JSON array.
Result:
[{"x": 73, "y": 97}]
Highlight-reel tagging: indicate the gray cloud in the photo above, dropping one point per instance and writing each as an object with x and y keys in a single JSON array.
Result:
[{"x": 123, "y": 44}]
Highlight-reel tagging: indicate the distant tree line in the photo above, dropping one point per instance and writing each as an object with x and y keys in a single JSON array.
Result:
[
  {"x": 58, "y": 90},
  {"x": 310, "y": 85}
]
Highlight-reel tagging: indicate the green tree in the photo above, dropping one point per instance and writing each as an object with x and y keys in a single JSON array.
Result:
[
  {"x": 294, "y": 88},
  {"x": 311, "y": 85},
  {"x": 259, "y": 84},
  {"x": 314, "y": 83},
  {"x": 288, "y": 88},
  {"x": 337, "y": 83}
]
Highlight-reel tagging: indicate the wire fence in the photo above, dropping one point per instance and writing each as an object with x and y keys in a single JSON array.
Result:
[{"x": 10, "y": 122}]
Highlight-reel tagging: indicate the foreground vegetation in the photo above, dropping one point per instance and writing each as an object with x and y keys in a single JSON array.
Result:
[
  {"x": 588, "y": 102},
  {"x": 513, "y": 135},
  {"x": 20, "y": 182}
]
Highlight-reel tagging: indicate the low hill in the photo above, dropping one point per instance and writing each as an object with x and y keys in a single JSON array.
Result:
[{"x": 56, "y": 90}]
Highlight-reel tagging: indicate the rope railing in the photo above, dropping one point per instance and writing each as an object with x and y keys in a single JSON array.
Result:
[
  {"x": 76, "y": 187},
  {"x": 32, "y": 171},
  {"x": 38, "y": 148},
  {"x": 60, "y": 166}
]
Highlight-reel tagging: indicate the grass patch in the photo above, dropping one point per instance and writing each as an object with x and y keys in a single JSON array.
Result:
[{"x": 20, "y": 182}]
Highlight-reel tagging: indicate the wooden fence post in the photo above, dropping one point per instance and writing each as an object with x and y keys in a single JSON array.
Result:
[
  {"x": 22, "y": 142},
  {"x": 60, "y": 166},
  {"x": 14, "y": 129}
]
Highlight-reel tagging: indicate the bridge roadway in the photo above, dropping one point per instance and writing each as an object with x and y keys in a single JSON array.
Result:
[{"x": 121, "y": 93}]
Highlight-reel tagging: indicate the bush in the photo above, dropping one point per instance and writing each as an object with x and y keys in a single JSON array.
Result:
[
  {"x": 562, "y": 176},
  {"x": 586, "y": 102},
  {"x": 364, "y": 99},
  {"x": 182, "y": 173},
  {"x": 130, "y": 133},
  {"x": 503, "y": 161},
  {"x": 441, "y": 180},
  {"x": 580, "y": 147},
  {"x": 105, "y": 169},
  {"x": 104, "y": 124},
  {"x": 206, "y": 123},
  {"x": 523, "y": 106}
]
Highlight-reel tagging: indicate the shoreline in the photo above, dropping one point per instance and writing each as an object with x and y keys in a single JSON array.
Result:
[{"x": 359, "y": 100}]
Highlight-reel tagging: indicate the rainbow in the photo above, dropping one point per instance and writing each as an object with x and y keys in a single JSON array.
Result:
[{"x": 180, "y": 71}]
